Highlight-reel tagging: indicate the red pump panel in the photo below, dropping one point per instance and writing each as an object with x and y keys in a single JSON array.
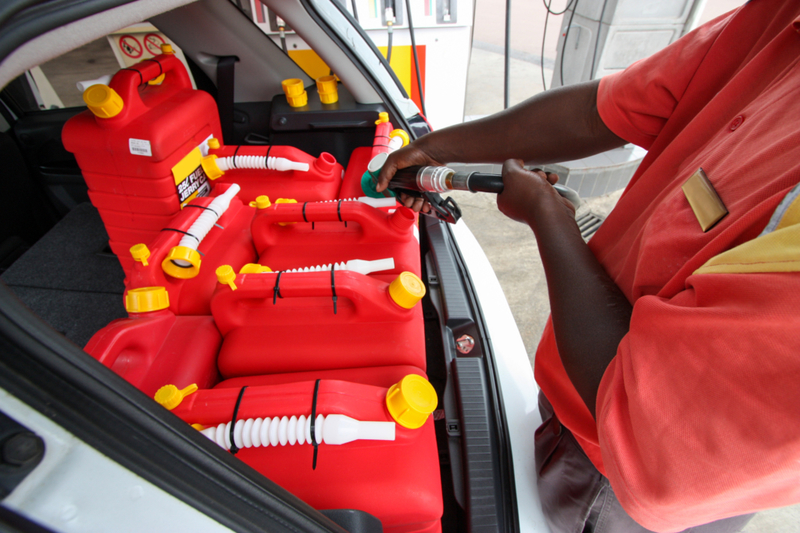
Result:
[
  {"x": 127, "y": 160},
  {"x": 228, "y": 243},
  {"x": 319, "y": 235},
  {"x": 150, "y": 350},
  {"x": 300, "y": 332},
  {"x": 321, "y": 182},
  {"x": 396, "y": 481}
]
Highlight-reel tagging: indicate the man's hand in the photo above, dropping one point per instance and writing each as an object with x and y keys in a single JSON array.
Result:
[
  {"x": 526, "y": 191},
  {"x": 408, "y": 156}
]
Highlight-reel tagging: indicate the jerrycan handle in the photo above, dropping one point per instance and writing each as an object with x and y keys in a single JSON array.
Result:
[
  {"x": 371, "y": 219},
  {"x": 126, "y": 82}
]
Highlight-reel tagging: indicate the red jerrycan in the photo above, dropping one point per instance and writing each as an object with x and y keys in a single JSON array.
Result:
[
  {"x": 294, "y": 322},
  {"x": 274, "y": 171},
  {"x": 175, "y": 260},
  {"x": 356, "y": 167},
  {"x": 140, "y": 147},
  {"x": 153, "y": 347},
  {"x": 390, "y": 470},
  {"x": 296, "y": 235}
]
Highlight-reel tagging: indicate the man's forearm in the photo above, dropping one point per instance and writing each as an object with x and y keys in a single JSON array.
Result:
[
  {"x": 590, "y": 313},
  {"x": 556, "y": 125}
]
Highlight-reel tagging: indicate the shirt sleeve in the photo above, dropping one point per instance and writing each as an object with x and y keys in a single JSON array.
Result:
[
  {"x": 636, "y": 102},
  {"x": 702, "y": 423}
]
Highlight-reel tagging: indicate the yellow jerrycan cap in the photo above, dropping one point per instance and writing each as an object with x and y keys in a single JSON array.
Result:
[
  {"x": 226, "y": 275},
  {"x": 103, "y": 101},
  {"x": 406, "y": 290},
  {"x": 182, "y": 263},
  {"x": 140, "y": 252},
  {"x": 411, "y": 401},
  {"x": 146, "y": 299},
  {"x": 171, "y": 397}
]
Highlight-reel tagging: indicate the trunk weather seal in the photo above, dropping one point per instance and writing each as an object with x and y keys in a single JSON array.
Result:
[{"x": 36, "y": 20}]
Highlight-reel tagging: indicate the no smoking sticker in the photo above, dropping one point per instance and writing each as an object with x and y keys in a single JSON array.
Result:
[
  {"x": 153, "y": 42},
  {"x": 131, "y": 46}
]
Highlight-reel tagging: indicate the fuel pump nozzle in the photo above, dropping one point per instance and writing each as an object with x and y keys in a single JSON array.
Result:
[{"x": 429, "y": 181}]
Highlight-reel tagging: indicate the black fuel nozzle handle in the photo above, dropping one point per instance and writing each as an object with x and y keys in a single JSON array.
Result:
[{"x": 443, "y": 179}]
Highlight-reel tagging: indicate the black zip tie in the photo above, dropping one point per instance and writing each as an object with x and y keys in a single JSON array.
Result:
[
  {"x": 304, "y": 212},
  {"x": 202, "y": 207},
  {"x": 154, "y": 60},
  {"x": 333, "y": 286},
  {"x": 269, "y": 149},
  {"x": 382, "y": 137},
  {"x": 234, "y": 155},
  {"x": 339, "y": 212},
  {"x": 234, "y": 449},
  {"x": 181, "y": 231},
  {"x": 276, "y": 290},
  {"x": 141, "y": 78},
  {"x": 313, "y": 421},
  {"x": 312, "y": 226}
]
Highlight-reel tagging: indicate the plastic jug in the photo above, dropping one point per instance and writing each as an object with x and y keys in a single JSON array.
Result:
[
  {"x": 318, "y": 321},
  {"x": 140, "y": 146}
]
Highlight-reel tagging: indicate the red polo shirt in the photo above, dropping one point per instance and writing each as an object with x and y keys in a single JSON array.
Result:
[{"x": 698, "y": 412}]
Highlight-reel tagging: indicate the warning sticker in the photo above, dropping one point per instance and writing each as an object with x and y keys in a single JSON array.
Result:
[
  {"x": 140, "y": 147},
  {"x": 190, "y": 178},
  {"x": 131, "y": 46},
  {"x": 153, "y": 42}
]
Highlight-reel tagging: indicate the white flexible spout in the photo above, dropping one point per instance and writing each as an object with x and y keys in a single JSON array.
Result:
[
  {"x": 259, "y": 162},
  {"x": 331, "y": 429},
  {"x": 208, "y": 217},
  {"x": 372, "y": 202},
  {"x": 354, "y": 265}
]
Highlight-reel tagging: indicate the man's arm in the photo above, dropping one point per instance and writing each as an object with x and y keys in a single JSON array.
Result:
[
  {"x": 556, "y": 125},
  {"x": 590, "y": 313}
]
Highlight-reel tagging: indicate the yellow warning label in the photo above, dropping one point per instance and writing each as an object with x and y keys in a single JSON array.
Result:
[{"x": 190, "y": 179}]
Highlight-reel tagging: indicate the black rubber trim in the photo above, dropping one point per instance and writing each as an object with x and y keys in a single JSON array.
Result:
[
  {"x": 478, "y": 447},
  {"x": 53, "y": 376},
  {"x": 462, "y": 314}
]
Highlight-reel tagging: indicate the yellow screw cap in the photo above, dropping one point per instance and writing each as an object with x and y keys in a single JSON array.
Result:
[
  {"x": 213, "y": 143},
  {"x": 171, "y": 397},
  {"x": 182, "y": 263},
  {"x": 198, "y": 427},
  {"x": 382, "y": 117},
  {"x": 411, "y": 401},
  {"x": 406, "y": 290},
  {"x": 167, "y": 49},
  {"x": 140, "y": 252},
  {"x": 103, "y": 101},
  {"x": 293, "y": 87},
  {"x": 402, "y": 134},
  {"x": 299, "y": 100},
  {"x": 254, "y": 268},
  {"x": 226, "y": 275},
  {"x": 210, "y": 167},
  {"x": 146, "y": 299},
  {"x": 328, "y": 89},
  {"x": 262, "y": 202}
]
